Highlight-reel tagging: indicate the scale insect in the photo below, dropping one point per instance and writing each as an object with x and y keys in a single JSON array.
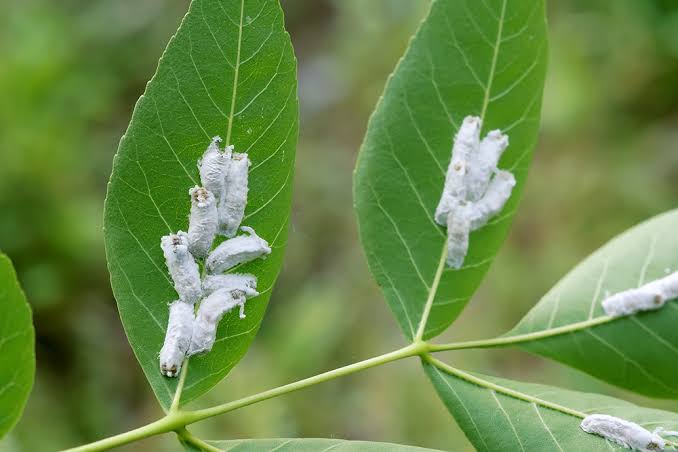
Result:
[
  {"x": 177, "y": 338},
  {"x": 495, "y": 197},
  {"x": 484, "y": 163},
  {"x": 625, "y": 433},
  {"x": 233, "y": 203},
  {"x": 182, "y": 266},
  {"x": 216, "y": 207},
  {"x": 238, "y": 250},
  {"x": 455, "y": 189},
  {"x": 202, "y": 222},
  {"x": 245, "y": 282},
  {"x": 648, "y": 297},
  {"x": 210, "y": 312},
  {"x": 475, "y": 189},
  {"x": 213, "y": 167},
  {"x": 458, "y": 230}
]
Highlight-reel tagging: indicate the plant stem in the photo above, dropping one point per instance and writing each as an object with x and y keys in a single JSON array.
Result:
[
  {"x": 176, "y": 420},
  {"x": 176, "y": 401},
  {"x": 167, "y": 424},
  {"x": 189, "y": 438},
  {"x": 405, "y": 352},
  {"x": 431, "y": 295},
  {"x": 503, "y": 341}
]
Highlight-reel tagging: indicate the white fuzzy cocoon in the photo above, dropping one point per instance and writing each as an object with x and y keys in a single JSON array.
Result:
[
  {"x": 182, "y": 266},
  {"x": 177, "y": 338},
  {"x": 458, "y": 230},
  {"x": 232, "y": 205},
  {"x": 496, "y": 195},
  {"x": 466, "y": 142},
  {"x": 475, "y": 190},
  {"x": 213, "y": 167},
  {"x": 625, "y": 433},
  {"x": 210, "y": 312},
  {"x": 202, "y": 223},
  {"x": 484, "y": 163},
  {"x": 238, "y": 250},
  {"x": 648, "y": 297},
  {"x": 245, "y": 282}
]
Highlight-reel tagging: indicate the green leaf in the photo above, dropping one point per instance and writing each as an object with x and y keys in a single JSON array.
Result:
[
  {"x": 636, "y": 352},
  {"x": 17, "y": 347},
  {"x": 485, "y": 58},
  {"x": 499, "y": 414},
  {"x": 230, "y": 70},
  {"x": 310, "y": 445}
]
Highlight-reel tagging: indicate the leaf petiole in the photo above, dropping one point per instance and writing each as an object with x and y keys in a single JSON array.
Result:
[{"x": 503, "y": 341}]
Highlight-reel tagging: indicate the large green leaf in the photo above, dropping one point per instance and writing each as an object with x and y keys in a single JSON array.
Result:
[
  {"x": 498, "y": 414},
  {"x": 485, "y": 58},
  {"x": 635, "y": 352},
  {"x": 17, "y": 347},
  {"x": 230, "y": 70},
  {"x": 310, "y": 445}
]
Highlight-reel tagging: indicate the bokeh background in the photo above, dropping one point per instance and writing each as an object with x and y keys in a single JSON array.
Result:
[{"x": 70, "y": 73}]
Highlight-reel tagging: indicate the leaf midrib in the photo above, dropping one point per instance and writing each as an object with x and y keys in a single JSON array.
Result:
[
  {"x": 235, "y": 74},
  {"x": 236, "y": 70},
  {"x": 490, "y": 386}
]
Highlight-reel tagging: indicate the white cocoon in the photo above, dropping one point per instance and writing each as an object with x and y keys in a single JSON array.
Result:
[
  {"x": 202, "y": 223},
  {"x": 625, "y": 433},
  {"x": 484, "y": 163},
  {"x": 182, "y": 266},
  {"x": 232, "y": 204},
  {"x": 210, "y": 312},
  {"x": 498, "y": 192},
  {"x": 177, "y": 338},
  {"x": 648, "y": 297},
  {"x": 245, "y": 282},
  {"x": 466, "y": 142},
  {"x": 458, "y": 230},
  {"x": 471, "y": 195},
  {"x": 238, "y": 250},
  {"x": 213, "y": 167}
]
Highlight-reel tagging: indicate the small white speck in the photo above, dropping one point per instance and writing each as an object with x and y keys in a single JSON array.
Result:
[
  {"x": 249, "y": 130},
  {"x": 667, "y": 270},
  {"x": 249, "y": 19}
]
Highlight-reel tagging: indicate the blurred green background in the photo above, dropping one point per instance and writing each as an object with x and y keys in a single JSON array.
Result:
[{"x": 70, "y": 73}]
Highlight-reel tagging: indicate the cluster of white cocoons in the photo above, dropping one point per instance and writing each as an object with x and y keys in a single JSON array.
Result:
[
  {"x": 218, "y": 207},
  {"x": 475, "y": 189},
  {"x": 648, "y": 297},
  {"x": 625, "y": 433}
]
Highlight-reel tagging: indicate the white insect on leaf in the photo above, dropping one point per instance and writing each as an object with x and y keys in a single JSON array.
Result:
[
  {"x": 648, "y": 297},
  {"x": 232, "y": 204},
  {"x": 210, "y": 312},
  {"x": 458, "y": 230},
  {"x": 625, "y": 433},
  {"x": 213, "y": 167},
  {"x": 465, "y": 143},
  {"x": 182, "y": 266},
  {"x": 238, "y": 250},
  {"x": 244, "y": 282},
  {"x": 202, "y": 222},
  {"x": 177, "y": 338},
  {"x": 496, "y": 195},
  {"x": 484, "y": 163},
  {"x": 475, "y": 190},
  {"x": 218, "y": 206}
]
